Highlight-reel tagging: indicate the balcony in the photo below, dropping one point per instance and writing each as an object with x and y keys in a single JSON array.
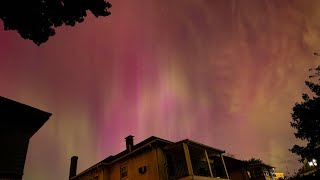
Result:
[{"x": 191, "y": 160}]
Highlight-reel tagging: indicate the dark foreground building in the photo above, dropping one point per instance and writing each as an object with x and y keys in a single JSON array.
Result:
[{"x": 18, "y": 123}]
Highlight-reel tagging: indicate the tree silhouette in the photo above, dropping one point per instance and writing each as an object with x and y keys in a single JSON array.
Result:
[
  {"x": 254, "y": 161},
  {"x": 35, "y": 19},
  {"x": 306, "y": 121}
]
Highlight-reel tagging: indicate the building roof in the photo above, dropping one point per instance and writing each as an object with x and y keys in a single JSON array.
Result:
[
  {"x": 125, "y": 154},
  {"x": 233, "y": 163},
  {"x": 143, "y": 145},
  {"x": 18, "y": 123},
  {"x": 197, "y": 144},
  {"x": 21, "y": 117},
  {"x": 260, "y": 164}
]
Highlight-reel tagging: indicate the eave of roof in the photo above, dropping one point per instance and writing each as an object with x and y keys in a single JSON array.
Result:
[
  {"x": 233, "y": 163},
  {"x": 194, "y": 143},
  {"x": 18, "y": 123},
  {"x": 16, "y": 114}
]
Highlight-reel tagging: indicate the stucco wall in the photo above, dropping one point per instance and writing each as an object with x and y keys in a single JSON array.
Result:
[
  {"x": 147, "y": 159},
  {"x": 92, "y": 175},
  {"x": 162, "y": 162}
]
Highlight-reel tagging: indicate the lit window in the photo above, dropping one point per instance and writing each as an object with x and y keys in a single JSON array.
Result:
[{"x": 124, "y": 171}]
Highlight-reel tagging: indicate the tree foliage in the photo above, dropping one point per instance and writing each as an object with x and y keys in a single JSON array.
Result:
[
  {"x": 36, "y": 19},
  {"x": 254, "y": 161},
  {"x": 306, "y": 122}
]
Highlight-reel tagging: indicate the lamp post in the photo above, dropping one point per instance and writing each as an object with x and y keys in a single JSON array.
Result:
[{"x": 313, "y": 162}]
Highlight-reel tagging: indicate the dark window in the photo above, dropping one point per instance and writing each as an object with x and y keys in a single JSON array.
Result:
[
  {"x": 256, "y": 172},
  {"x": 170, "y": 165},
  {"x": 176, "y": 163},
  {"x": 217, "y": 167},
  {"x": 199, "y": 161},
  {"x": 124, "y": 171}
]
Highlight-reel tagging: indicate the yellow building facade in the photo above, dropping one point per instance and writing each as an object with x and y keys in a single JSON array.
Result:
[
  {"x": 159, "y": 159},
  {"x": 148, "y": 160},
  {"x": 279, "y": 175}
]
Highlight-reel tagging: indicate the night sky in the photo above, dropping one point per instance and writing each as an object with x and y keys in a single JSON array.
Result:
[{"x": 225, "y": 73}]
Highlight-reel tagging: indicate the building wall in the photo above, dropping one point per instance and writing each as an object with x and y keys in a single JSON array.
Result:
[
  {"x": 91, "y": 175},
  {"x": 162, "y": 164},
  {"x": 106, "y": 173},
  {"x": 264, "y": 178},
  {"x": 238, "y": 174},
  {"x": 147, "y": 159},
  {"x": 279, "y": 175},
  {"x": 200, "y": 178},
  {"x": 13, "y": 156},
  {"x": 269, "y": 178}
]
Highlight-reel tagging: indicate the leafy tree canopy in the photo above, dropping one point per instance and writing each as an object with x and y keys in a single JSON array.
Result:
[
  {"x": 306, "y": 122},
  {"x": 35, "y": 19}
]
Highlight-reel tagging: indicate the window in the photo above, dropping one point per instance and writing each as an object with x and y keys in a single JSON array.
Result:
[
  {"x": 124, "y": 171},
  {"x": 256, "y": 172}
]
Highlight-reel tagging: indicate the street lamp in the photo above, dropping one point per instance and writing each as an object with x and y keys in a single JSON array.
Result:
[{"x": 313, "y": 163}]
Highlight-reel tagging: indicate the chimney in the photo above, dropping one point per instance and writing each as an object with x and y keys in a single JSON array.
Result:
[
  {"x": 73, "y": 167},
  {"x": 129, "y": 143}
]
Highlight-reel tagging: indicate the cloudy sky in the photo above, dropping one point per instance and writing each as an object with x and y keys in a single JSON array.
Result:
[{"x": 222, "y": 72}]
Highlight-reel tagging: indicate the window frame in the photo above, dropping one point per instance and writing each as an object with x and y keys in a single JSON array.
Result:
[{"x": 125, "y": 168}]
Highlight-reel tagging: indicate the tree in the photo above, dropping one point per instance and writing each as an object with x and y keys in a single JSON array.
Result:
[
  {"x": 35, "y": 19},
  {"x": 306, "y": 122}
]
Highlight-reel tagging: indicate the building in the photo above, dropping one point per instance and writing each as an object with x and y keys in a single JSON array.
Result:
[
  {"x": 308, "y": 168},
  {"x": 19, "y": 123},
  {"x": 237, "y": 169},
  {"x": 157, "y": 159},
  {"x": 279, "y": 176},
  {"x": 244, "y": 170},
  {"x": 261, "y": 171}
]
